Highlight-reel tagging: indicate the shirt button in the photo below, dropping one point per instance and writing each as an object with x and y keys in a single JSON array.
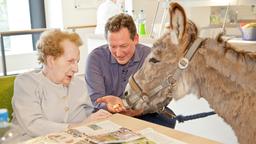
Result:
[{"x": 66, "y": 109}]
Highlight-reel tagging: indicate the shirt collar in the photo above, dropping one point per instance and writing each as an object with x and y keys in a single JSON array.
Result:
[{"x": 135, "y": 58}]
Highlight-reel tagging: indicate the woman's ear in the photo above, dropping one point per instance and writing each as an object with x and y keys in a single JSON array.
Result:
[
  {"x": 178, "y": 22},
  {"x": 50, "y": 61}
]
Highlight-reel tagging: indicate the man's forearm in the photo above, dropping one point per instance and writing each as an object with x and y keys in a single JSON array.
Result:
[{"x": 98, "y": 106}]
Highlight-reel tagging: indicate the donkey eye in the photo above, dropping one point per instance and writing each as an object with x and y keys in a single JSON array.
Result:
[
  {"x": 126, "y": 93},
  {"x": 153, "y": 60}
]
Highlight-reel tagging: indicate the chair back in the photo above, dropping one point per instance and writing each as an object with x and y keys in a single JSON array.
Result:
[{"x": 6, "y": 93}]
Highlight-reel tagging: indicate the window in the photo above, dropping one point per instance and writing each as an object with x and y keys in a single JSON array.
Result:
[
  {"x": 20, "y": 52},
  {"x": 16, "y": 16},
  {"x": 4, "y": 20}
]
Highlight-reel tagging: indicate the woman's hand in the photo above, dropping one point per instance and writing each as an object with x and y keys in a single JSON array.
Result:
[
  {"x": 99, "y": 115},
  {"x": 114, "y": 104}
]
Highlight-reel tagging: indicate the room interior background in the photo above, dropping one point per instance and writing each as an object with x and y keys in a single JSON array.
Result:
[{"x": 66, "y": 13}]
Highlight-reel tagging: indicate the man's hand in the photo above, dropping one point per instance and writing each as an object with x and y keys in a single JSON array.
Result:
[
  {"x": 114, "y": 104},
  {"x": 130, "y": 112}
]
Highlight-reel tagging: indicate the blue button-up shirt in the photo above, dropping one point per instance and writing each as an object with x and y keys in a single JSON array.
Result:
[{"x": 104, "y": 76}]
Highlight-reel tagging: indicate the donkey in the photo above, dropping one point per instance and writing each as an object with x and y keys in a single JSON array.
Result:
[{"x": 181, "y": 63}]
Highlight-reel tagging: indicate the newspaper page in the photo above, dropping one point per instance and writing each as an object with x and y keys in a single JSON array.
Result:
[{"x": 105, "y": 132}]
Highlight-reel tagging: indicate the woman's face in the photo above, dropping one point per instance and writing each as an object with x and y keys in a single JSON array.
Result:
[{"x": 64, "y": 67}]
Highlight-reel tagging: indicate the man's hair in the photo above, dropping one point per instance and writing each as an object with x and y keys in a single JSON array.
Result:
[
  {"x": 49, "y": 43},
  {"x": 115, "y": 23}
]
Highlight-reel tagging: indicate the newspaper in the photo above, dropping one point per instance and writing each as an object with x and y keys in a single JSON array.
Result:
[{"x": 105, "y": 132}]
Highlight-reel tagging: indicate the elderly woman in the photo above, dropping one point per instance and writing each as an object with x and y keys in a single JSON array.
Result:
[{"x": 52, "y": 99}]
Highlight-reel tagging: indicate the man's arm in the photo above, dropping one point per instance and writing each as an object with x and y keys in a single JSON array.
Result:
[{"x": 95, "y": 79}]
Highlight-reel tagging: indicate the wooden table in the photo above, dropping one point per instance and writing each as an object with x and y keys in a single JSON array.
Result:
[{"x": 137, "y": 124}]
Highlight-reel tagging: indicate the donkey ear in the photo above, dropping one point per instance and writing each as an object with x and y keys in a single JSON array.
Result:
[{"x": 177, "y": 22}]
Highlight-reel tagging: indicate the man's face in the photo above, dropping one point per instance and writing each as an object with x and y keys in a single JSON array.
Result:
[
  {"x": 121, "y": 46},
  {"x": 64, "y": 67}
]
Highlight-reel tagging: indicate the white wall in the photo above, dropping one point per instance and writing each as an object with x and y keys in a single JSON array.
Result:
[{"x": 53, "y": 13}]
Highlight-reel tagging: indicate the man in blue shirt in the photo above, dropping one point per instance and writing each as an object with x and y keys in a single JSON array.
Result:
[{"x": 110, "y": 66}]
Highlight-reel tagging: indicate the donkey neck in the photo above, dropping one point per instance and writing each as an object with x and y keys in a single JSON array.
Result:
[
  {"x": 236, "y": 65},
  {"x": 226, "y": 79}
]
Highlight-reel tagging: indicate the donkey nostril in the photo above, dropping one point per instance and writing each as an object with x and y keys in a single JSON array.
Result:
[{"x": 126, "y": 93}]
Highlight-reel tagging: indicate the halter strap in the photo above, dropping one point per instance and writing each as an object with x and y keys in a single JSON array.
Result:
[
  {"x": 182, "y": 65},
  {"x": 134, "y": 85},
  {"x": 170, "y": 81}
]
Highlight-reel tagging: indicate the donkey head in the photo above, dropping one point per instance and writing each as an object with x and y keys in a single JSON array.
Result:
[{"x": 149, "y": 88}]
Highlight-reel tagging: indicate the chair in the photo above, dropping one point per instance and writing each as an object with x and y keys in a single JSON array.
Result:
[{"x": 6, "y": 93}]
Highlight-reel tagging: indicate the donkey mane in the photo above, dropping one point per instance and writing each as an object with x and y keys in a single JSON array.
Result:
[{"x": 236, "y": 64}]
